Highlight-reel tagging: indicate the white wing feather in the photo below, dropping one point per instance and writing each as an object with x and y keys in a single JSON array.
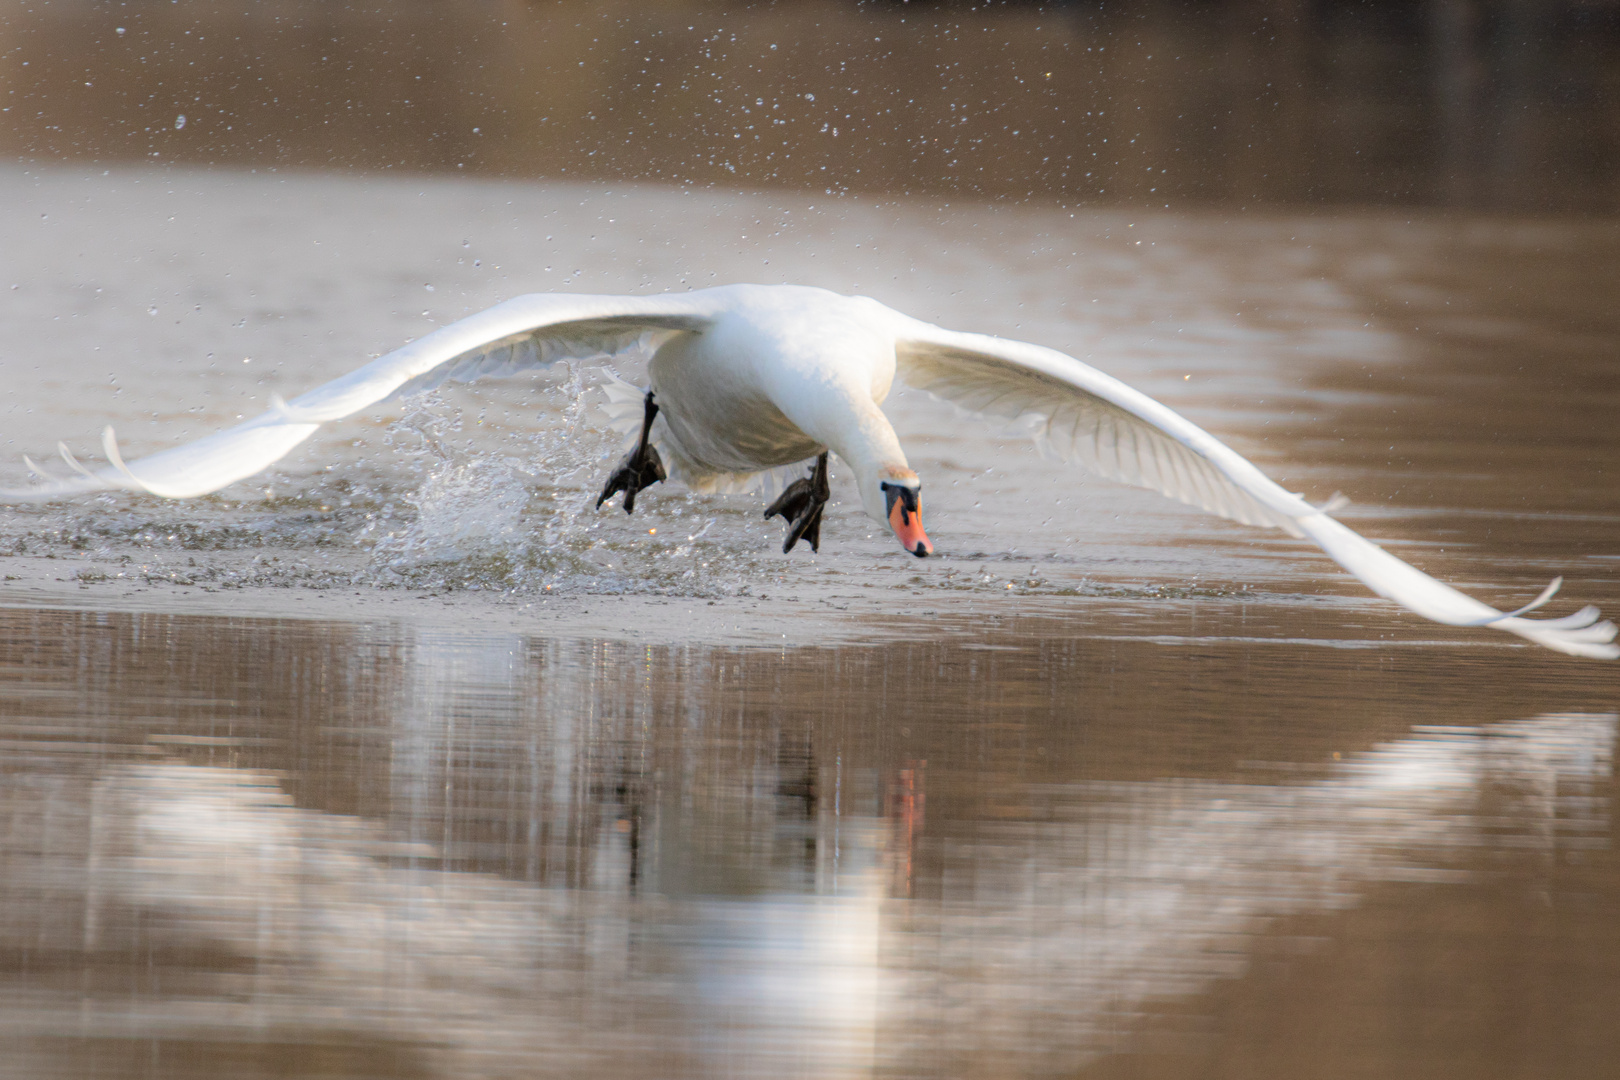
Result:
[
  {"x": 525, "y": 332},
  {"x": 1085, "y": 414},
  {"x": 1120, "y": 432},
  {"x": 1093, "y": 418}
]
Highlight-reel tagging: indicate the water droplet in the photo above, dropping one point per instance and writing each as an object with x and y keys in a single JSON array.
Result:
[{"x": 180, "y": 121}]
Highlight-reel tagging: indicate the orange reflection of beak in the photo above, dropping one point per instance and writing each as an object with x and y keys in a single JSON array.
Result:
[{"x": 907, "y": 525}]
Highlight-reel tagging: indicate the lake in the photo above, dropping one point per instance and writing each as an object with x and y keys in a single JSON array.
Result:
[{"x": 402, "y": 760}]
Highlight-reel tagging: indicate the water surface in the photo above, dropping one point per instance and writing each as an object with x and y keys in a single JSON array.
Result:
[
  {"x": 403, "y": 761},
  {"x": 262, "y": 847},
  {"x": 1142, "y": 104}
]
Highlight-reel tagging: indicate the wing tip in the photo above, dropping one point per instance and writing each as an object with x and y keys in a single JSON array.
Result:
[
  {"x": 53, "y": 486},
  {"x": 1583, "y": 633}
]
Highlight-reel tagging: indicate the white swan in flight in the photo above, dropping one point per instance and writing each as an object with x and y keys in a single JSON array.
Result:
[{"x": 747, "y": 378}]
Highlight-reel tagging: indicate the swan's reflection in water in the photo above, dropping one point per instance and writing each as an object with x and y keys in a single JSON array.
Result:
[{"x": 564, "y": 873}]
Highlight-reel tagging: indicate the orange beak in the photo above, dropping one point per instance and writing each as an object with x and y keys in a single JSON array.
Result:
[{"x": 906, "y": 520}]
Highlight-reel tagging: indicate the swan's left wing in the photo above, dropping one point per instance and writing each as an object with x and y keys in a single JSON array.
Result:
[
  {"x": 525, "y": 332},
  {"x": 1120, "y": 432}
]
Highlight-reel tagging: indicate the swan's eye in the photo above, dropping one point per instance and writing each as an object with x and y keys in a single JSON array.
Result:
[{"x": 906, "y": 496}]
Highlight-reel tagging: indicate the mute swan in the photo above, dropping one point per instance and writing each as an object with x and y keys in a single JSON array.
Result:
[{"x": 752, "y": 377}]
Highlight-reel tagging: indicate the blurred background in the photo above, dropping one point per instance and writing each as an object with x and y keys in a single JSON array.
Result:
[{"x": 1480, "y": 104}]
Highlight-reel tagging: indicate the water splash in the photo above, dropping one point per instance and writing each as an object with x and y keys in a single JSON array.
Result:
[
  {"x": 520, "y": 516},
  {"x": 494, "y": 489}
]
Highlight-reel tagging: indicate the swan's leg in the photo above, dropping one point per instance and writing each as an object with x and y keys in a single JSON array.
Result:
[
  {"x": 640, "y": 468},
  {"x": 801, "y": 506}
]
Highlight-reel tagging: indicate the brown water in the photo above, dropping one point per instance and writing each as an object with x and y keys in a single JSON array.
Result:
[
  {"x": 405, "y": 764},
  {"x": 400, "y": 761},
  {"x": 251, "y": 847},
  {"x": 1147, "y": 103}
]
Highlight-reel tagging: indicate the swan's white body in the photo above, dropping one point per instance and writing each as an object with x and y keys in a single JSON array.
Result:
[{"x": 751, "y": 377}]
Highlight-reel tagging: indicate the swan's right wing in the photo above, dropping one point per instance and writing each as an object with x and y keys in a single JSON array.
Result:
[
  {"x": 1120, "y": 432},
  {"x": 1094, "y": 419},
  {"x": 525, "y": 332}
]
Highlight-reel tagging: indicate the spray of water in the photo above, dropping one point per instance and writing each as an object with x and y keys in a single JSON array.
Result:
[
  {"x": 520, "y": 517},
  {"x": 468, "y": 497}
]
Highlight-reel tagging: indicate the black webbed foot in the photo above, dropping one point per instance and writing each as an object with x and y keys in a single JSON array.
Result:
[
  {"x": 801, "y": 506},
  {"x": 640, "y": 468}
]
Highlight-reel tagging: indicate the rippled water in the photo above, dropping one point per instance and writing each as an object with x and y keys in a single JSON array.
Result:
[
  {"x": 255, "y": 847},
  {"x": 405, "y": 761}
]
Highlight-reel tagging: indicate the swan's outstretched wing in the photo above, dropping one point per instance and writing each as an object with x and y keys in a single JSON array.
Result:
[
  {"x": 1122, "y": 433},
  {"x": 526, "y": 332}
]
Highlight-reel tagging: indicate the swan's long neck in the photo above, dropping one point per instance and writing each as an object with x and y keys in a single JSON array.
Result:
[{"x": 865, "y": 440}]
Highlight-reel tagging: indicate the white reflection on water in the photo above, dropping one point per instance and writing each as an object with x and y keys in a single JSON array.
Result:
[
  {"x": 1053, "y": 938},
  {"x": 1049, "y": 938}
]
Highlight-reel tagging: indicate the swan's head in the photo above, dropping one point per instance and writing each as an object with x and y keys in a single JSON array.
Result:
[{"x": 903, "y": 510}]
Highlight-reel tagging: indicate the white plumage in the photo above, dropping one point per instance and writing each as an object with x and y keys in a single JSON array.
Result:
[{"x": 751, "y": 378}]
